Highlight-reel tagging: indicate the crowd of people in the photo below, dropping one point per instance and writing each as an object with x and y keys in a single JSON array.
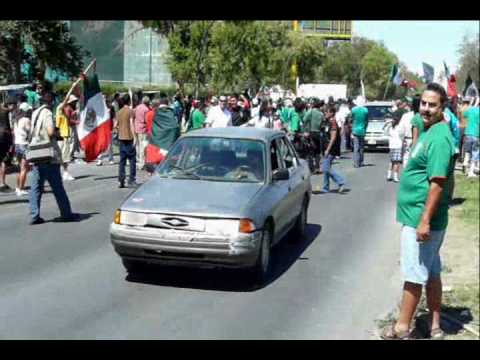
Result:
[{"x": 145, "y": 127}]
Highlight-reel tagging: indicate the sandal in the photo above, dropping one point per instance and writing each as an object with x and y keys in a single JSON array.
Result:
[
  {"x": 437, "y": 334},
  {"x": 390, "y": 333}
]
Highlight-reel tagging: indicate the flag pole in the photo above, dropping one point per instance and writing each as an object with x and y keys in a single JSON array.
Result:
[{"x": 386, "y": 88}]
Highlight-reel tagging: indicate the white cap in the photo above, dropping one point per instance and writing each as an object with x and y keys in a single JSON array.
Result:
[
  {"x": 71, "y": 99},
  {"x": 359, "y": 101},
  {"x": 25, "y": 107}
]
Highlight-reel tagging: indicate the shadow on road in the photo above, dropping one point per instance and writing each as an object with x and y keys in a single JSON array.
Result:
[
  {"x": 82, "y": 217},
  {"x": 106, "y": 178},
  {"x": 284, "y": 255},
  {"x": 16, "y": 201}
]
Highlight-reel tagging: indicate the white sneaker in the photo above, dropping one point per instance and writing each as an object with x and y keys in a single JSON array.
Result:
[
  {"x": 111, "y": 162},
  {"x": 99, "y": 163},
  {"x": 389, "y": 175},
  {"x": 21, "y": 192},
  {"x": 395, "y": 178},
  {"x": 67, "y": 177}
]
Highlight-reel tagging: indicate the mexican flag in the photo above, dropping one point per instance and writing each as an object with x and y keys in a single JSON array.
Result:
[
  {"x": 95, "y": 127},
  {"x": 395, "y": 76}
]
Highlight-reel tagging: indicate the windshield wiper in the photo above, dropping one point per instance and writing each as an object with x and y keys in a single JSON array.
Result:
[{"x": 186, "y": 172}]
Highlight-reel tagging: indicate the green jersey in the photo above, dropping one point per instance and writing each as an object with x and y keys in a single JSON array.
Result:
[
  {"x": 472, "y": 116},
  {"x": 431, "y": 157},
  {"x": 294, "y": 125},
  {"x": 313, "y": 120},
  {"x": 417, "y": 122},
  {"x": 197, "y": 121},
  {"x": 359, "y": 120},
  {"x": 286, "y": 115}
]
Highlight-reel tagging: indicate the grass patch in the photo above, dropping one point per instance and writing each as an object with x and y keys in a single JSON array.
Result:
[{"x": 468, "y": 189}]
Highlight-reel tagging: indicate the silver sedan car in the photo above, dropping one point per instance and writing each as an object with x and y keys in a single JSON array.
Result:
[{"x": 222, "y": 198}]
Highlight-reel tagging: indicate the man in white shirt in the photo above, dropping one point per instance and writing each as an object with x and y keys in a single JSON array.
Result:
[
  {"x": 405, "y": 127},
  {"x": 219, "y": 116}
]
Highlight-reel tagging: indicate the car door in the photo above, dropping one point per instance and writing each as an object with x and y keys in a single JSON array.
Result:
[
  {"x": 278, "y": 193},
  {"x": 296, "y": 181}
]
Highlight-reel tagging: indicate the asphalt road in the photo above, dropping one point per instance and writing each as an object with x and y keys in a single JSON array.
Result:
[{"x": 64, "y": 281}]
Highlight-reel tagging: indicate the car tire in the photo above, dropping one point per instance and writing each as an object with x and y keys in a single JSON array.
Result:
[
  {"x": 263, "y": 267},
  {"x": 133, "y": 266},
  {"x": 300, "y": 229}
]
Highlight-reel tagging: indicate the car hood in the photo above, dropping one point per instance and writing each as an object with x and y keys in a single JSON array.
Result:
[{"x": 192, "y": 197}]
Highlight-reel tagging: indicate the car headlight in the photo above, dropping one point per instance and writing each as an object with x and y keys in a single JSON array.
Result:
[{"x": 130, "y": 218}]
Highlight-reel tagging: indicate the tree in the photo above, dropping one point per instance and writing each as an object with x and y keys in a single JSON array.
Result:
[
  {"x": 468, "y": 52},
  {"x": 50, "y": 44},
  {"x": 308, "y": 53}
]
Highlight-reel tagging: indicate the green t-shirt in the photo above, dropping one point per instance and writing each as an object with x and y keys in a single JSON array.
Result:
[
  {"x": 294, "y": 125},
  {"x": 198, "y": 119},
  {"x": 313, "y": 120},
  {"x": 431, "y": 157},
  {"x": 472, "y": 116},
  {"x": 359, "y": 120},
  {"x": 417, "y": 122},
  {"x": 286, "y": 115}
]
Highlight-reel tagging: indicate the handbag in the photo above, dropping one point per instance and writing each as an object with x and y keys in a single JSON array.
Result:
[{"x": 39, "y": 152}]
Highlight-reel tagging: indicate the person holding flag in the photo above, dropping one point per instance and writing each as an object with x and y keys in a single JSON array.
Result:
[{"x": 95, "y": 125}]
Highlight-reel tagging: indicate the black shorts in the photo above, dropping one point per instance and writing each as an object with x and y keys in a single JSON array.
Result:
[{"x": 4, "y": 153}]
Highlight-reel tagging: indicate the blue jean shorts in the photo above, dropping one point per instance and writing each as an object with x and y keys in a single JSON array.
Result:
[{"x": 420, "y": 261}]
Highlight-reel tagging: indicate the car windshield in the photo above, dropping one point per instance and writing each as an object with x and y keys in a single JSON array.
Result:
[
  {"x": 215, "y": 159},
  {"x": 378, "y": 112}
]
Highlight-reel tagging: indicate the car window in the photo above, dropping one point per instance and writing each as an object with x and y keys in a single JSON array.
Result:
[
  {"x": 276, "y": 164},
  {"x": 216, "y": 159},
  {"x": 378, "y": 112},
  {"x": 285, "y": 153}
]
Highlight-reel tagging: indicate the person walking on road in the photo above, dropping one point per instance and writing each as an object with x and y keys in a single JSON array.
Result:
[
  {"x": 312, "y": 126},
  {"x": 124, "y": 124},
  {"x": 395, "y": 144},
  {"x": 422, "y": 209},
  {"x": 43, "y": 130},
  {"x": 22, "y": 129},
  {"x": 359, "y": 116},
  {"x": 333, "y": 150},
  {"x": 471, "y": 118},
  {"x": 5, "y": 145},
  {"x": 141, "y": 130}
]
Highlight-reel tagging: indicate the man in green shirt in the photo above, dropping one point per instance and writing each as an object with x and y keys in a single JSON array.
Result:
[
  {"x": 422, "y": 209},
  {"x": 197, "y": 119},
  {"x": 359, "y": 117},
  {"x": 312, "y": 122},
  {"x": 471, "y": 119}
]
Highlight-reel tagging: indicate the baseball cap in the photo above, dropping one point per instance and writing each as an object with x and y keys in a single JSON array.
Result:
[
  {"x": 71, "y": 99},
  {"x": 25, "y": 107}
]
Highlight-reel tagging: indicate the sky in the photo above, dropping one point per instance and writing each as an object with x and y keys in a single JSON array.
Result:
[{"x": 416, "y": 41}]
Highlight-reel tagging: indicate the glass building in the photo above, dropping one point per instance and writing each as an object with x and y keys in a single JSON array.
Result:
[{"x": 125, "y": 52}]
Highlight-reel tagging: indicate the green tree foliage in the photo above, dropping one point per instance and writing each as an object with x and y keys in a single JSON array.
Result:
[
  {"x": 50, "y": 43},
  {"x": 468, "y": 52}
]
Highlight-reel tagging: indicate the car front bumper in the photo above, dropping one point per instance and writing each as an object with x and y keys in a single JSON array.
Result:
[{"x": 185, "y": 248}]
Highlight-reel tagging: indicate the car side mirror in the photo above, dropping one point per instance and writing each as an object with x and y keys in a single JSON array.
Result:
[{"x": 282, "y": 174}]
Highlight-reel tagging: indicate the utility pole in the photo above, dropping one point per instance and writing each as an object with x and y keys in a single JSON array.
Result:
[{"x": 294, "y": 65}]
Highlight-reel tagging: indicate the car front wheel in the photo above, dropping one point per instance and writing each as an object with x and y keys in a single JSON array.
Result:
[
  {"x": 263, "y": 267},
  {"x": 300, "y": 229}
]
